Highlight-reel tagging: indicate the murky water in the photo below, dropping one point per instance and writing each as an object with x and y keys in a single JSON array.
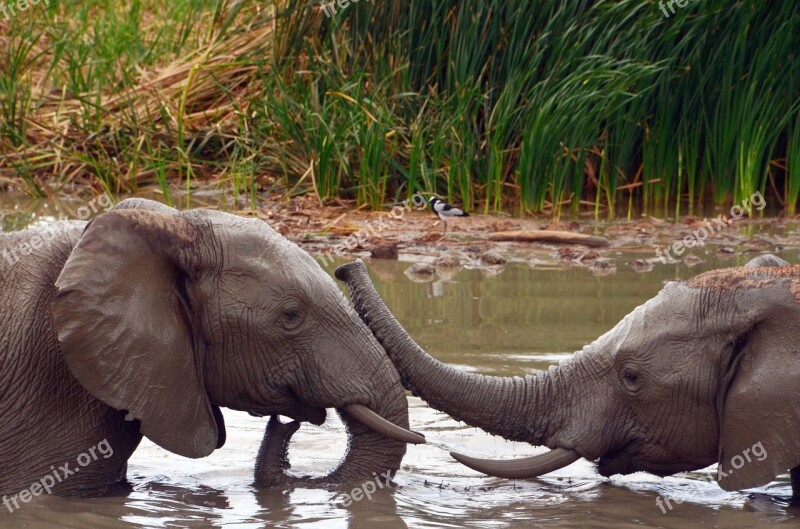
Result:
[{"x": 518, "y": 321}]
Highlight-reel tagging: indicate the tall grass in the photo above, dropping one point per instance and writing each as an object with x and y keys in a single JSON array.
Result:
[{"x": 539, "y": 106}]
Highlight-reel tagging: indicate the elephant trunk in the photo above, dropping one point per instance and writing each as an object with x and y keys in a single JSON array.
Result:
[
  {"x": 500, "y": 405},
  {"x": 512, "y": 407}
]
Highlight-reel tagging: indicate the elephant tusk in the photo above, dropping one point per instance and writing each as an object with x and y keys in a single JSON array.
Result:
[
  {"x": 527, "y": 467},
  {"x": 375, "y": 422}
]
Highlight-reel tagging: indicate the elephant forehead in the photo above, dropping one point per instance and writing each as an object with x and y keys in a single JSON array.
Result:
[
  {"x": 253, "y": 247},
  {"x": 249, "y": 239},
  {"x": 658, "y": 318},
  {"x": 233, "y": 226},
  {"x": 257, "y": 248},
  {"x": 621, "y": 333}
]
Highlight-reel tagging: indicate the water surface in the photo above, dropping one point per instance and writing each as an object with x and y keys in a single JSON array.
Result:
[{"x": 518, "y": 321}]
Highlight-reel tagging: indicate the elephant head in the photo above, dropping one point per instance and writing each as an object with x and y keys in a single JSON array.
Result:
[
  {"x": 170, "y": 315},
  {"x": 706, "y": 371}
]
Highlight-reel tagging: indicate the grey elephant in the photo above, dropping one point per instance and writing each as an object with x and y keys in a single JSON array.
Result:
[
  {"x": 707, "y": 371},
  {"x": 146, "y": 320}
]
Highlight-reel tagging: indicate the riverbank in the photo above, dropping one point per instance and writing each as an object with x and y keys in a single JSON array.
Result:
[{"x": 416, "y": 235}]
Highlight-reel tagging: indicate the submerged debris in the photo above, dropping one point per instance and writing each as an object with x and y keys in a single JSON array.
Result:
[
  {"x": 692, "y": 260},
  {"x": 569, "y": 254},
  {"x": 535, "y": 261},
  {"x": 758, "y": 245},
  {"x": 448, "y": 260},
  {"x": 493, "y": 258},
  {"x": 384, "y": 251},
  {"x": 603, "y": 267},
  {"x": 420, "y": 272},
  {"x": 642, "y": 265}
]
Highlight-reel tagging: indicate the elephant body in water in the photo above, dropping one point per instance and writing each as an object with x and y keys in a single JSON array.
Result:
[
  {"x": 146, "y": 320},
  {"x": 707, "y": 371}
]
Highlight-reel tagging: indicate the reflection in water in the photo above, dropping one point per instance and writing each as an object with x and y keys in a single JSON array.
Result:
[{"x": 519, "y": 321}]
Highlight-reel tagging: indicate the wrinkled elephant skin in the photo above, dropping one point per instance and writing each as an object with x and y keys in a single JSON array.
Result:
[
  {"x": 147, "y": 320},
  {"x": 707, "y": 371}
]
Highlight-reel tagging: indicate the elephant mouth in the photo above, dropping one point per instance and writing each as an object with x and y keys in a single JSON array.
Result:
[
  {"x": 309, "y": 414},
  {"x": 614, "y": 463},
  {"x": 358, "y": 412},
  {"x": 316, "y": 415},
  {"x": 620, "y": 462},
  {"x": 635, "y": 457},
  {"x": 291, "y": 406}
]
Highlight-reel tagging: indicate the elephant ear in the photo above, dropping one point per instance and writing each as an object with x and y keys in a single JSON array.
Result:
[
  {"x": 125, "y": 326},
  {"x": 760, "y": 411}
]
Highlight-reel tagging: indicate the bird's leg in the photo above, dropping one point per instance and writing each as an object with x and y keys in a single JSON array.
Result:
[{"x": 445, "y": 228}]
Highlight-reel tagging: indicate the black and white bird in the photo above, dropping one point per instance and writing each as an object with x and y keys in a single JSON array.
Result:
[{"x": 444, "y": 211}]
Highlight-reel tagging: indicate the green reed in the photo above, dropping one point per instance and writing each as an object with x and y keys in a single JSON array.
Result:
[{"x": 539, "y": 106}]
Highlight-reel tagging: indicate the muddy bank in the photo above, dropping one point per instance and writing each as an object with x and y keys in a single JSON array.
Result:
[
  {"x": 417, "y": 235},
  {"x": 414, "y": 234}
]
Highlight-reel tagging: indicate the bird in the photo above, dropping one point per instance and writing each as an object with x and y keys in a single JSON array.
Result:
[{"x": 444, "y": 211}]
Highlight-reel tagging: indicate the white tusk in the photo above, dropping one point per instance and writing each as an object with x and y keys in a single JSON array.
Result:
[
  {"x": 527, "y": 467},
  {"x": 372, "y": 420}
]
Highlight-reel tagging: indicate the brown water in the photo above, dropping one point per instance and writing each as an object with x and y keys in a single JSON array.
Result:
[{"x": 518, "y": 321}]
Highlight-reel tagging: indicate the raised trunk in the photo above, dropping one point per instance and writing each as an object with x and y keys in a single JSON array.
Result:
[{"x": 515, "y": 408}]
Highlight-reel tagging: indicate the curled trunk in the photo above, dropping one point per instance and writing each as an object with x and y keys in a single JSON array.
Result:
[{"x": 512, "y": 407}]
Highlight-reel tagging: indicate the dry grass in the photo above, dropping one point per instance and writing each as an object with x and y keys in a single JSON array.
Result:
[{"x": 540, "y": 106}]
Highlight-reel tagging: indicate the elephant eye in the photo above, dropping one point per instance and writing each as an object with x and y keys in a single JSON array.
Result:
[
  {"x": 631, "y": 379},
  {"x": 291, "y": 319}
]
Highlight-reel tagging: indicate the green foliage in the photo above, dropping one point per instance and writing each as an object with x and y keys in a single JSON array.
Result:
[{"x": 540, "y": 106}]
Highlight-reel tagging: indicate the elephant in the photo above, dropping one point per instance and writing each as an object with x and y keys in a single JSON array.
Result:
[
  {"x": 707, "y": 371},
  {"x": 146, "y": 320}
]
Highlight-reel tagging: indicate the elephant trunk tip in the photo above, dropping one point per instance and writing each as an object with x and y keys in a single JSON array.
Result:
[{"x": 345, "y": 272}]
